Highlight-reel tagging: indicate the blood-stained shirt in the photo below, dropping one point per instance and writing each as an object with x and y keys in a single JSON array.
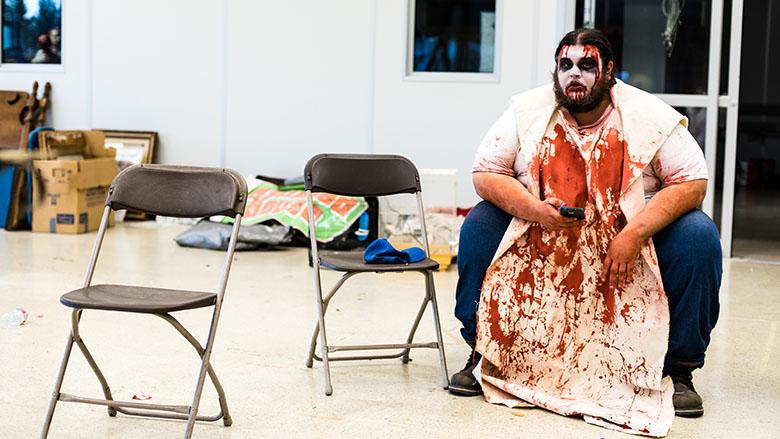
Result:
[
  {"x": 680, "y": 159},
  {"x": 551, "y": 332}
]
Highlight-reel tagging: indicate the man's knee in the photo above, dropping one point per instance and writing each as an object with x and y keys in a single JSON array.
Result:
[
  {"x": 702, "y": 233},
  {"x": 486, "y": 216},
  {"x": 691, "y": 262},
  {"x": 691, "y": 239},
  {"x": 481, "y": 233}
]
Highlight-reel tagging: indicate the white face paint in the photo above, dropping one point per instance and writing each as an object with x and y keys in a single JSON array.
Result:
[{"x": 579, "y": 69}]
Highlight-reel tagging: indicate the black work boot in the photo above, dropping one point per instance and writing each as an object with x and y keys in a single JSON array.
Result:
[
  {"x": 687, "y": 403},
  {"x": 464, "y": 383}
]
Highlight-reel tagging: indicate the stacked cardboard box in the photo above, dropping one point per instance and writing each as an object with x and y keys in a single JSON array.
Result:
[{"x": 70, "y": 189}]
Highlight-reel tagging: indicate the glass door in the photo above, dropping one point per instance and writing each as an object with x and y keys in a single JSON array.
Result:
[
  {"x": 757, "y": 183},
  {"x": 685, "y": 52}
]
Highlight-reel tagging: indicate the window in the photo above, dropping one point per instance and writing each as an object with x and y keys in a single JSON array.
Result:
[
  {"x": 452, "y": 36},
  {"x": 660, "y": 46}
]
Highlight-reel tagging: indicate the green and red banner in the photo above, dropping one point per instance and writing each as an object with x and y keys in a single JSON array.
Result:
[{"x": 334, "y": 213}]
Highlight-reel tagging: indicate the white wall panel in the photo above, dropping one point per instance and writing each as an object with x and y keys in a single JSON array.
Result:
[
  {"x": 298, "y": 82},
  {"x": 157, "y": 67}
]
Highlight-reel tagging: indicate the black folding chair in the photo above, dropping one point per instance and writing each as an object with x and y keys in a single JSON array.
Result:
[
  {"x": 178, "y": 191},
  {"x": 369, "y": 176}
]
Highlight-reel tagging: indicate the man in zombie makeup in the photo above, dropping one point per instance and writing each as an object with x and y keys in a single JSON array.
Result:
[{"x": 605, "y": 316}]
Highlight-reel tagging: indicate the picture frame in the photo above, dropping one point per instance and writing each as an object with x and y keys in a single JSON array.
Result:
[
  {"x": 134, "y": 147},
  {"x": 32, "y": 37}
]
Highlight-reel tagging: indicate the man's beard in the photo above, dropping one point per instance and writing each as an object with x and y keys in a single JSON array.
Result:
[{"x": 591, "y": 101}]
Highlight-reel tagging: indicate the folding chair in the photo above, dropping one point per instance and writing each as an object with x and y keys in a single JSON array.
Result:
[
  {"x": 178, "y": 191},
  {"x": 370, "y": 176}
]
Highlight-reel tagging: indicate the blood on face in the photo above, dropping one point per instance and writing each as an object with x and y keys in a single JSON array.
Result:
[{"x": 579, "y": 70}]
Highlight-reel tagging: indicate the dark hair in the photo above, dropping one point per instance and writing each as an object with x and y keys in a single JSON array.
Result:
[{"x": 588, "y": 36}]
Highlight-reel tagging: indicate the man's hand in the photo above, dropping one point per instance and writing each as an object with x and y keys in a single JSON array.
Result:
[
  {"x": 666, "y": 206},
  {"x": 548, "y": 215},
  {"x": 621, "y": 255}
]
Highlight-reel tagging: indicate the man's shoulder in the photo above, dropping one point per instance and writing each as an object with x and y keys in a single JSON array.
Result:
[
  {"x": 634, "y": 101},
  {"x": 533, "y": 99},
  {"x": 625, "y": 92}
]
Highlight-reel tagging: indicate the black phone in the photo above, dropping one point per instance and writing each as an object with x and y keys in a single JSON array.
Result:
[{"x": 572, "y": 212}]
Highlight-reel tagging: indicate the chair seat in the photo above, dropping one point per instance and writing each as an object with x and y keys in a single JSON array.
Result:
[
  {"x": 353, "y": 261},
  {"x": 136, "y": 299}
]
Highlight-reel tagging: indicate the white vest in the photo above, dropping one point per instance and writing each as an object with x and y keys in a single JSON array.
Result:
[{"x": 647, "y": 123}]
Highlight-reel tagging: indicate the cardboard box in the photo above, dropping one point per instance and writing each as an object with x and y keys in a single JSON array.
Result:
[
  {"x": 96, "y": 143},
  {"x": 69, "y": 195},
  {"x": 86, "y": 144}
]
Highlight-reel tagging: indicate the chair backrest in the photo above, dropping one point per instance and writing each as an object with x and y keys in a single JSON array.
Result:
[
  {"x": 179, "y": 191},
  {"x": 369, "y": 175}
]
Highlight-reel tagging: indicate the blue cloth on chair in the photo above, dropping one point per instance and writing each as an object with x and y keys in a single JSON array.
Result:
[{"x": 382, "y": 252}]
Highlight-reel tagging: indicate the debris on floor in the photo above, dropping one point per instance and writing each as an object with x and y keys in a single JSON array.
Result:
[{"x": 13, "y": 318}]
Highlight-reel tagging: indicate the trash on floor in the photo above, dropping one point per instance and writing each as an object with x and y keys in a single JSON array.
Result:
[
  {"x": 13, "y": 318},
  {"x": 216, "y": 236}
]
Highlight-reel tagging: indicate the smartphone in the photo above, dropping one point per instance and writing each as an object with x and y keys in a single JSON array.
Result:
[{"x": 572, "y": 212}]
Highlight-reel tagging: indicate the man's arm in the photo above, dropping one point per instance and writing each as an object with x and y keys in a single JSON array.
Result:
[
  {"x": 494, "y": 177},
  {"x": 508, "y": 194},
  {"x": 665, "y": 207}
]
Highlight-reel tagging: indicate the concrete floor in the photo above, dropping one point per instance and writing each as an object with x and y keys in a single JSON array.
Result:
[{"x": 262, "y": 342}]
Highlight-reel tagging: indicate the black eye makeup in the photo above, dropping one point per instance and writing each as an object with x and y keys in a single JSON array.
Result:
[
  {"x": 588, "y": 65},
  {"x": 565, "y": 64}
]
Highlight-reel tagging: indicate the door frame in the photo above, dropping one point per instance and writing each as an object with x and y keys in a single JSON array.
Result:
[{"x": 712, "y": 102}]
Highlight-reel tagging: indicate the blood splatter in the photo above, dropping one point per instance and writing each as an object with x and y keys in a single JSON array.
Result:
[{"x": 548, "y": 327}]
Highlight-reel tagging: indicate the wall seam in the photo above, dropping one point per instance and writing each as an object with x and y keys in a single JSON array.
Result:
[
  {"x": 371, "y": 74},
  {"x": 90, "y": 76},
  {"x": 536, "y": 13},
  {"x": 223, "y": 73}
]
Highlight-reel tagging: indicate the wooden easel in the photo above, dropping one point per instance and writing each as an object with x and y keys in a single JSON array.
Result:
[{"x": 31, "y": 116}]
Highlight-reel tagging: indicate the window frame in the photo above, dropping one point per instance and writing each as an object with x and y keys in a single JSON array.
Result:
[
  {"x": 409, "y": 74},
  {"x": 713, "y": 101}
]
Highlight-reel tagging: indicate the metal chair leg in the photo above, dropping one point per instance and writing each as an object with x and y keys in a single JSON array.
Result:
[
  {"x": 430, "y": 297},
  {"x": 75, "y": 318},
  {"x": 321, "y": 307},
  {"x": 324, "y": 349},
  {"x": 196, "y": 399},
  {"x": 410, "y": 339},
  {"x": 204, "y": 366},
  {"x": 55, "y": 394},
  {"x": 326, "y": 302},
  {"x": 313, "y": 346},
  {"x": 225, "y": 414},
  {"x": 437, "y": 324}
]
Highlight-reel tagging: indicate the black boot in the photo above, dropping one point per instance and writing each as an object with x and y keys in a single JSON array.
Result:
[
  {"x": 687, "y": 403},
  {"x": 464, "y": 383}
]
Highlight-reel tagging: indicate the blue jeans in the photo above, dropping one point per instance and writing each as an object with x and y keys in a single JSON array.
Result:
[{"x": 689, "y": 256}]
